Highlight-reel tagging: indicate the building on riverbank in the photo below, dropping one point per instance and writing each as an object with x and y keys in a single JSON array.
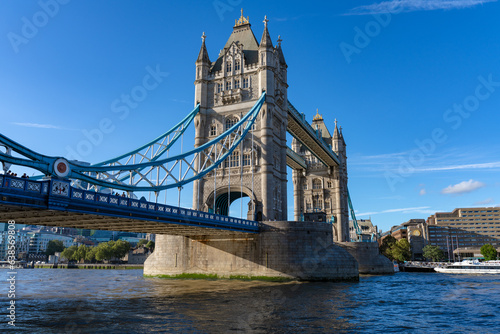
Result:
[
  {"x": 369, "y": 232},
  {"x": 464, "y": 230},
  {"x": 413, "y": 231}
]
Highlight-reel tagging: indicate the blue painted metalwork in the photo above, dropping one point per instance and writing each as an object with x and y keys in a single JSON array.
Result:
[
  {"x": 57, "y": 194},
  {"x": 112, "y": 174},
  {"x": 353, "y": 215}
]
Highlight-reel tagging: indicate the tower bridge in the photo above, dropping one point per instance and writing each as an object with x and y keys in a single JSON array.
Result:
[{"x": 241, "y": 117}]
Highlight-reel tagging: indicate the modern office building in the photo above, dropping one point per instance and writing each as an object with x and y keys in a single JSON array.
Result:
[
  {"x": 22, "y": 241},
  {"x": 464, "y": 230}
]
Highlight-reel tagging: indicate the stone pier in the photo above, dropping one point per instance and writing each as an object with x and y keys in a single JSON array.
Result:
[
  {"x": 284, "y": 250},
  {"x": 370, "y": 261}
]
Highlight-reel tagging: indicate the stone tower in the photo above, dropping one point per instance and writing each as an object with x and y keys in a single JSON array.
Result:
[
  {"x": 320, "y": 188},
  {"x": 226, "y": 90}
]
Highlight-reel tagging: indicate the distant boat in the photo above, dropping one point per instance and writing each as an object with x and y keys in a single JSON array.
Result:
[
  {"x": 471, "y": 267},
  {"x": 396, "y": 266}
]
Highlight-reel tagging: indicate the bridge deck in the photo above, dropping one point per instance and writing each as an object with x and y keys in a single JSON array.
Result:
[{"x": 55, "y": 203}]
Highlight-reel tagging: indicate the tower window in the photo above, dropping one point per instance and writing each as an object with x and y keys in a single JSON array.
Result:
[
  {"x": 316, "y": 184},
  {"x": 228, "y": 85},
  {"x": 318, "y": 204},
  {"x": 219, "y": 87},
  {"x": 213, "y": 130},
  {"x": 237, "y": 65},
  {"x": 233, "y": 160},
  {"x": 228, "y": 67},
  {"x": 246, "y": 159},
  {"x": 329, "y": 184},
  {"x": 236, "y": 84},
  {"x": 246, "y": 83},
  {"x": 230, "y": 121}
]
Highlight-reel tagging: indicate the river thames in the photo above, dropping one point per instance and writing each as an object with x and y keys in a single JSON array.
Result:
[{"x": 123, "y": 301}]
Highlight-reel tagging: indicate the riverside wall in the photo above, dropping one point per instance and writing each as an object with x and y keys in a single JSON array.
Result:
[
  {"x": 369, "y": 259},
  {"x": 286, "y": 250}
]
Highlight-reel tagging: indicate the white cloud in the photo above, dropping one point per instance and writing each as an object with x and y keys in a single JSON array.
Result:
[
  {"x": 37, "y": 125},
  {"x": 422, "y": 192},
  {"x": 485, "y": 202},
  {"x": 42, "y": 126},
  {"x": 419, "y": 209},
  {"x": 487, "y": 165},
  {"x": 396, "y": 6},
  {"x": 463, "y": 187}
]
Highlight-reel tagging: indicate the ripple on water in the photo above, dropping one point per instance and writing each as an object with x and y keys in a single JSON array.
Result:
[{"x": 114, "y": 301}]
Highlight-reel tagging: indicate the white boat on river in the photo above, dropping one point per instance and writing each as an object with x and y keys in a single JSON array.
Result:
[{"x": 471, "y": 267}]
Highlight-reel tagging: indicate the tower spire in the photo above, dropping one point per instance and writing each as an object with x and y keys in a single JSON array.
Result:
[
  {"x": 336, "y": 131},
  {"x": 203, "y": 55},
  {"x": 266, "y": 39}
]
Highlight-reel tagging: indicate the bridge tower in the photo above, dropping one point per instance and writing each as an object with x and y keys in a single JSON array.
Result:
[
  {"x": 321, "y": 188},
  {"x": 226, "y": 90}
]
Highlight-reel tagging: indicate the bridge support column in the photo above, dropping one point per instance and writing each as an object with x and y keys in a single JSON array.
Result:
[{"x": 282, "y": 250}]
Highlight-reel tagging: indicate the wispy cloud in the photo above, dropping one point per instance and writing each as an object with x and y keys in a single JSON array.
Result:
[
  {"x": 450, "y": 160},
  {"x": 41, "y": 126},
  {"x": 419, "y": 209},
  {"x": 463, "y": 187},
  {"x": 487, "y": 165},
  {"x": 485, "y": 202},
  {"x": 397, "y": 6}
]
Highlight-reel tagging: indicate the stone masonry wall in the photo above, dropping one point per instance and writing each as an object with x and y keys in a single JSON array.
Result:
[{"x": 295, "y": 250}]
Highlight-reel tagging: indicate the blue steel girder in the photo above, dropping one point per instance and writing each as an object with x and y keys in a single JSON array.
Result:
[
  {"x": 310, "y": 138},
  {"x": 112, "y": 174},
  {"x": 353, "y": 214}
]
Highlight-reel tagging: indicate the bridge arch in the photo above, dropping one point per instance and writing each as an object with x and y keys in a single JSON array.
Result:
[{"x": 224, "y": 197}]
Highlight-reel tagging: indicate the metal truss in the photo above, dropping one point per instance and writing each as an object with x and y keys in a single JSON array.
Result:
[{"x": 142, "y": 169}]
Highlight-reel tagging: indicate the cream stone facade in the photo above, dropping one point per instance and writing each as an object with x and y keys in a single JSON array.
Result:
[
  {"x": 320, "y": 188},
  {"x": 226, "y": 90}
]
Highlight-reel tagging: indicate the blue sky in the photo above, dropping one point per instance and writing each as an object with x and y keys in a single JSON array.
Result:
[{"x": 414, "y": 84}]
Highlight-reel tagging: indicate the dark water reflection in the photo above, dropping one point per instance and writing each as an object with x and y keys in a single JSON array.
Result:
[{"x": 114, "y": 301}]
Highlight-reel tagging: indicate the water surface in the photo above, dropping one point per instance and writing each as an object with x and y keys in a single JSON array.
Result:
[{"x": 123, "y": 301}]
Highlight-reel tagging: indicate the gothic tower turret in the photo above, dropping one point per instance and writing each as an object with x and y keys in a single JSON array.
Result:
[{"x": 226, "y": 90}]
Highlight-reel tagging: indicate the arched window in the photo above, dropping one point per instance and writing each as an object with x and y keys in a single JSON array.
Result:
[
  {"x": 316, "y": 184},
  {"x": 213, "y": 130},
  {"x": 230, "y": 121}
]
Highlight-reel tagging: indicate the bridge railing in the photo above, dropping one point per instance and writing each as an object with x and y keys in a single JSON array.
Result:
[{"x": 62, "y": 188}]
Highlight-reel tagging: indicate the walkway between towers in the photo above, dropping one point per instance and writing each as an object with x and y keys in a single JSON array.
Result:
[{"x": 310, "y": 138}]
